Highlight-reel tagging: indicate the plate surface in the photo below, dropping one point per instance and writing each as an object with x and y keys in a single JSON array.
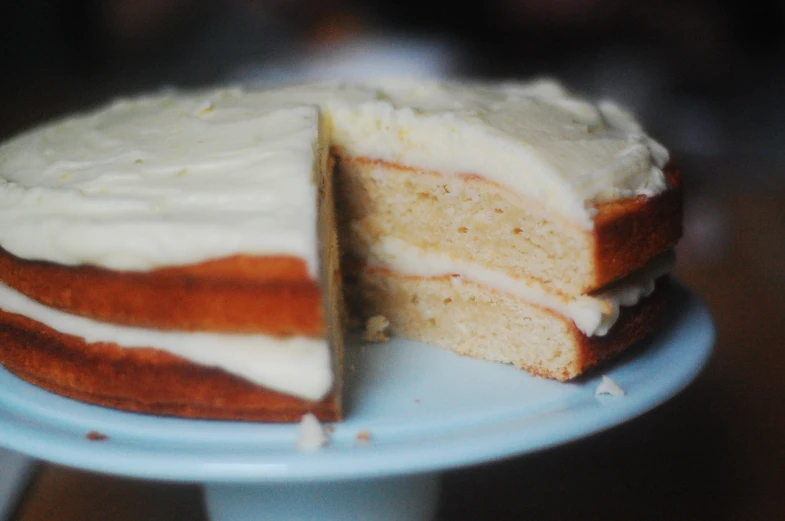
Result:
[{"x": 425, "y": 409}]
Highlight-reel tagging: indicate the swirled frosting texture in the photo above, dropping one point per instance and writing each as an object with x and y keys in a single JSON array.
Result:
[
  {"x": 181, "y": 178},
  {"x": 164, "y": 180},
  {"x": 533, "y": 138}
]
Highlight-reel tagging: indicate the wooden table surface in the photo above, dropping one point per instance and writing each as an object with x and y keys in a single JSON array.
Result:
[{"x": 716, "y": 451}]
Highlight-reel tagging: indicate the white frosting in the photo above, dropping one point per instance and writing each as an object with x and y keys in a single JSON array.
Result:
[
  {"x": 165, "y": 180},
  {"x": 294, "y": 365},
  {"x": 592, "y": 314},
  {"x": 181, "y": 178},
  {"x": 534, "y": 138},
  {"x": 608, "y": 386},
  {"x": 310, "y": 434}
]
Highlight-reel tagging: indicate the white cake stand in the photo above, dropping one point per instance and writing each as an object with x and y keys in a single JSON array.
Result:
[{"x": 425, "y": 409}]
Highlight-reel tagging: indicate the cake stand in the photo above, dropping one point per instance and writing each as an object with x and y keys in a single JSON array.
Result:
[{"x": 412, "y": 412}]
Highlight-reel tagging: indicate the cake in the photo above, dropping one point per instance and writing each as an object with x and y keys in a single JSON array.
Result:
[
  {"x": 509, "y": 222},
  {"x": 178, "y": 253},
  {"x": 175, "y": 254}
]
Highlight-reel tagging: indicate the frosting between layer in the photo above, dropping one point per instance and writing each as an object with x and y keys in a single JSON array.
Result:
[
  {"x": 296, "y": 365},
  {"x": 592, "y": 314}
]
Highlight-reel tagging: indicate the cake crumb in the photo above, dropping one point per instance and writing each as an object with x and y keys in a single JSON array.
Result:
[
  {"x": 375, "y": 328},
  {"x": 608, "y": 386},
  {"x": 310, "y": 434},
  {"x": 363, "y": 437},
  {"x": 416, "y": 400},
  {"x": 96, "y": 436}
]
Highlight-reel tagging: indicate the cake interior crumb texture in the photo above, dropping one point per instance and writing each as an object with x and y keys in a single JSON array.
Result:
[
  {"x": 490, "y": 325},
  {"x": 464, "y": 217}
]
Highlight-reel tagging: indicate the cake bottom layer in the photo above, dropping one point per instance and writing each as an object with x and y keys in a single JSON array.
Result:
[
  {"x": 142, "y": 380},
  {"x": 477, "y": 321}
]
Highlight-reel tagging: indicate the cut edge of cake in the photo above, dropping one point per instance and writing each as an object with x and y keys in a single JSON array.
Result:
[
  {"x": 488, "y": 324},
  {"x": 421, "y": 248},
  {"x": 500, "y": 229}
]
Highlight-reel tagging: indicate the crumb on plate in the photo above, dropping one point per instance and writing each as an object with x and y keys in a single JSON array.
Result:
[
  {"x": 608, "y": 386},
  {"x": 310, "y": 434},
  {"x": 375, "y": 328},
  {"x": 363, "y": 436}
]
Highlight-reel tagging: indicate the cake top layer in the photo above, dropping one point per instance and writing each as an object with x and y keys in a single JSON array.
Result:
[
  {"x": 181, "y": 178},
  {"x": 534, "y": 138}
]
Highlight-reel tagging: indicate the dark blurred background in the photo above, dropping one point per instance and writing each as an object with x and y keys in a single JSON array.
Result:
[
  {"x": 705, "y": 74},
  {"x": 705, "y": 77}
]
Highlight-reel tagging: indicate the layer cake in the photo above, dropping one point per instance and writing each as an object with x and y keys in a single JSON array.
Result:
[
  {"x": 176, "y": 253},
  {"x": 510, "y": 222}
]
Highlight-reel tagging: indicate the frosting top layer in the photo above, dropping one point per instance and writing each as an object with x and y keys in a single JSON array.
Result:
[
  {"x": 534, "y": 138},
  {"x": 180, "y": 178},
  {"x": 164, "y": 180}
]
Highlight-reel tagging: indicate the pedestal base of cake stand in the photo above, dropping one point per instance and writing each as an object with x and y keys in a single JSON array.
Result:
[
  {"x": 412, "y": 410},
  {"x": 400, "y": 498}
]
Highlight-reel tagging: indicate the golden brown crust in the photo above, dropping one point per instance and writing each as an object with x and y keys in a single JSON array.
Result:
[
  {"x": 635, "y": 323},
  {"x": 631, "y": 232},
  {"x": 239, "y": 294},
  {"x": 142, "y": 379}
]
